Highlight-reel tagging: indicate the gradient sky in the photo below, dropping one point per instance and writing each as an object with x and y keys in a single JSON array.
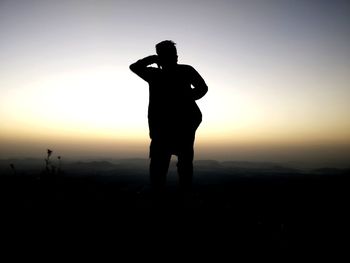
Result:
[{"x": 278, "y": 74}]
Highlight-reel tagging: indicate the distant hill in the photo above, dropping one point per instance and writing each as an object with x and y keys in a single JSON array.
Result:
[
  {"x": 140, "y": 166},
  {"x": 331, "y": 171}
]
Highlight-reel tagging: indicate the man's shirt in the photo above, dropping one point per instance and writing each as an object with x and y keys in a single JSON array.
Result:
[{"x": 172, "y": 108}]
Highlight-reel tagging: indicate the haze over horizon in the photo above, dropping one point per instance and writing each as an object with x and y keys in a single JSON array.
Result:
[{"x": 278, "y": 74}]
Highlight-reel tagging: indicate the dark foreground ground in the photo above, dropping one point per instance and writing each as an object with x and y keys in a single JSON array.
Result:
[{"x": 267, "y": 208}]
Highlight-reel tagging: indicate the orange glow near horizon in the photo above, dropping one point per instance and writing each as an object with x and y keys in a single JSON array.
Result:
[{"x": 107, "y": 103}]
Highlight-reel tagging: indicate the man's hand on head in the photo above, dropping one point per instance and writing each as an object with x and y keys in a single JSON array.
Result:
[{"x": 154, "y": 59}]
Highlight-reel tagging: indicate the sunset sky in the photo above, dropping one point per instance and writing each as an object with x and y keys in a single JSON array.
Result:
[{"x": 278, "y": 73}]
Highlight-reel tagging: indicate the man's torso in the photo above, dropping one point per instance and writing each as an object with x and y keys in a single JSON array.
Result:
[{"x": 172, "y": 107}]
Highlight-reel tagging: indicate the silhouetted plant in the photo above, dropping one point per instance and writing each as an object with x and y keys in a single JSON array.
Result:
[
  {"x": 49, "y": 168},
  {"x": 47, "y": 160}
]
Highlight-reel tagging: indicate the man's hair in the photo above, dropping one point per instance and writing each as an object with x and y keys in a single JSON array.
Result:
[{"x": 165, "y": 46}]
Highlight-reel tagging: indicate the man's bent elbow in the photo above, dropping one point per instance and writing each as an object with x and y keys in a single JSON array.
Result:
[
  {"x": 200, "y": 92},
  {"x": 204, "y": 91},
  {"x": 132, "y": 67}
]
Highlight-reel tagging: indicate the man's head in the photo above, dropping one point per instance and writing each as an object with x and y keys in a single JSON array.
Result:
[{"x": 167, "y": 53}]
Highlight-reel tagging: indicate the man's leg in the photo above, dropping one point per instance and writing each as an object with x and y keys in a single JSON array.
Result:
[
  {"x": 185, "y": 163},
  {"x": 185, "y": 171},
  {"x": 159, "y": 165},
  {"x": 158, "y": 171}
]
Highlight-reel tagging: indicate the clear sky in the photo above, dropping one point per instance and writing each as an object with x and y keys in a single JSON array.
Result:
[{"x": 278, "y": 73}]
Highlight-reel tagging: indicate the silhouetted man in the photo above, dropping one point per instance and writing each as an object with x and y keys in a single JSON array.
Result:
[{"x": 173, "y": 115}]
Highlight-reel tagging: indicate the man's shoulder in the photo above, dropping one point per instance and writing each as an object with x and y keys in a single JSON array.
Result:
[{"x": 185, "y": 67}]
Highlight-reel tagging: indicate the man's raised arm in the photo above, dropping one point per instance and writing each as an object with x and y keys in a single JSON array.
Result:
[{"x": 141, "y": 68}]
